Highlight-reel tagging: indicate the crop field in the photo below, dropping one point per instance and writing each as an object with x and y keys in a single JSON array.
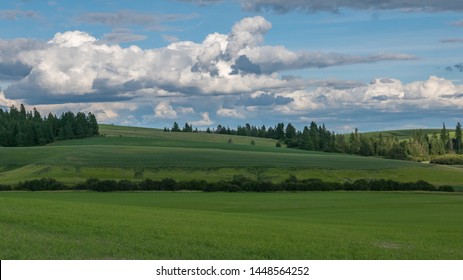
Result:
[
  {"x": 195, "y": 225},
  {"x": 139, "y": 153}
]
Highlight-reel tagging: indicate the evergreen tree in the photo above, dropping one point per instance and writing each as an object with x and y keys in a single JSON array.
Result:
[
  {"x": 175, "y": 127},
  {"x": 445, "y": 137},
  {"x": 290, "y": 131},
  {"x": 23, "y": 128},
  {"x": 458, "y": 139},
  {"x": 280, "y": 131}
]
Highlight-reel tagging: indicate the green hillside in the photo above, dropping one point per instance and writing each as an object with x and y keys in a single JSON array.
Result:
[
  {"x": 405, "y": 133},
  {"x": 139, "y": 153}
]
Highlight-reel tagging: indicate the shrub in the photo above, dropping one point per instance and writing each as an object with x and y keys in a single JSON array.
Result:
[{"x": 5, "y": 188}]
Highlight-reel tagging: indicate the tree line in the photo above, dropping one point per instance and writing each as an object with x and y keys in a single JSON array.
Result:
[
  {"x": 419, "y": 147},
  {"x": 21, "y": 128},
  {"x": 239, "y": 183}
]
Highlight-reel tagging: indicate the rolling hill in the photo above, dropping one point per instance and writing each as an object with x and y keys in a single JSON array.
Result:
[{"x": 137, "y": 153}]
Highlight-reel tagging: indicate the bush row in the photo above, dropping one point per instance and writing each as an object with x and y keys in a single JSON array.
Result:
[
  {"x": 237, "y": 184},
  {"x": 448, "y": 160}
]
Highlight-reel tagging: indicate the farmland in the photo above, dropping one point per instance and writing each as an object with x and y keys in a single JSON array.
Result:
[
  {"x": 196, "y": 225},
  {"x": 139, "y": 153}
]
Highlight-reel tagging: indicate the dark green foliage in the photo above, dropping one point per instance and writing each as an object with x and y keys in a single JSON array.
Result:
[
  {"x": 175, "y": 127},
  {"x": 44, "y": 184},
  {"x": 22, "y": 128},
  {"x": 420, "y": 147},
  {"x": 458, "y": 139},
  {"x": 5, "y": 187},
  {"x": 237, "y": 184},
  {"x": 187, "y": 128},
  {"x": 448, "y": 160}
]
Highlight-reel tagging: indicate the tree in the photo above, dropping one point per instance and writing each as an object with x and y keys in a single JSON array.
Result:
[
  {"x": 187, "y": 128},
  {"x": 290, "y": 131},
  {"x": 445, "y": 137},
  {"x": 354, "y": 142},
  {"x": 436, "y": 147},
  {"x": 93, "y": 125},
  {"x": 175, "y": 127},
  {"x": 23, "y": 128},
  {"x": 314, "y": 136},
  {"x": 366, "y": 146},
  {"x": 458, "y": 139},
  {"x": 280, "y": 131}
]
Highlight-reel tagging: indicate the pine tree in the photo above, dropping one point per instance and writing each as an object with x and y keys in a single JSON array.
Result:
[
  {"x": 458, "y": 138},
  {"x": 445, "y": 137}
]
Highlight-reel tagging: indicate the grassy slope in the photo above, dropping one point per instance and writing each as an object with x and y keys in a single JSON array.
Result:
[
  {"x": 73, "y": 225},
  {"x": 137, "y": 153},
  {"x": 403, "y": 134}
]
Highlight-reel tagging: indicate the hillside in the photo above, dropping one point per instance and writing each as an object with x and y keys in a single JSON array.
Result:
[
  {"x": 138, "y": 153},
  {"x": 403, "y": 134}
]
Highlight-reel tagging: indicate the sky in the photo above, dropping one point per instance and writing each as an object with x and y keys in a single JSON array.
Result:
[{"x": 366, "y": 64}]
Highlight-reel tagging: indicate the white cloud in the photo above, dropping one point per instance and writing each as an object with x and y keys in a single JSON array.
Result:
[
  {"x": 7, "y": 103},
  {"x": 380, "y": 95},
  {"x": 237, "y": 71},
  {"x": 77, "y": 67},
  {"x": 165, "y": 111},
  {"x": 205, "y": 120},
  {"x": 72, "y": 39},
  {"x": 230, "y": 113}
]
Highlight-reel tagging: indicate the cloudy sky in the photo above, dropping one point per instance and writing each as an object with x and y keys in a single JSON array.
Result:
[{"x": 370, "y": 64}]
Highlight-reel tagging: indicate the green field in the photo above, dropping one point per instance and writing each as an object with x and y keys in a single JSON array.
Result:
[
  {"x": 140, "y": 153},
  {"x": 195, "y": 225}
]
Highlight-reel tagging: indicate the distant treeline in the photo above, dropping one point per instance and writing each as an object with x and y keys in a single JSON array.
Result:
[
  {"x": 19, "y": 128},
  {"x": 237, "y": 184},
  {"x": 419, "y": 147}
]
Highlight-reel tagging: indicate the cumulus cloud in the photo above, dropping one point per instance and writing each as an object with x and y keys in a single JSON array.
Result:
[
  {"x": 381, "y": 95},
  {"x": 274, "y": 59},
  {"x": 10, "y": 66},
  {"x": 165, "y": 111},
  {"x": 334, "y": 5},
  {"x": 6, "y": 103},
  {"x": 205, "y": 120},
  {"x": 230, "y": 113},
  {"x": 77, "y": 67},
  {"x": 236, "y": 71},
  {"x": 263, "y": 99}
]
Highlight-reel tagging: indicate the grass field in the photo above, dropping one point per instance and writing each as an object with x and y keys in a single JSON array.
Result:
[
  {"x": 138, "y": 153},
  {"x": 190, "y": 225}
]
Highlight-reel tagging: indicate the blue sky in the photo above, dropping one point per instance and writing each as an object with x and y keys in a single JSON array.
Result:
[{"x": 368, "y": 64}]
